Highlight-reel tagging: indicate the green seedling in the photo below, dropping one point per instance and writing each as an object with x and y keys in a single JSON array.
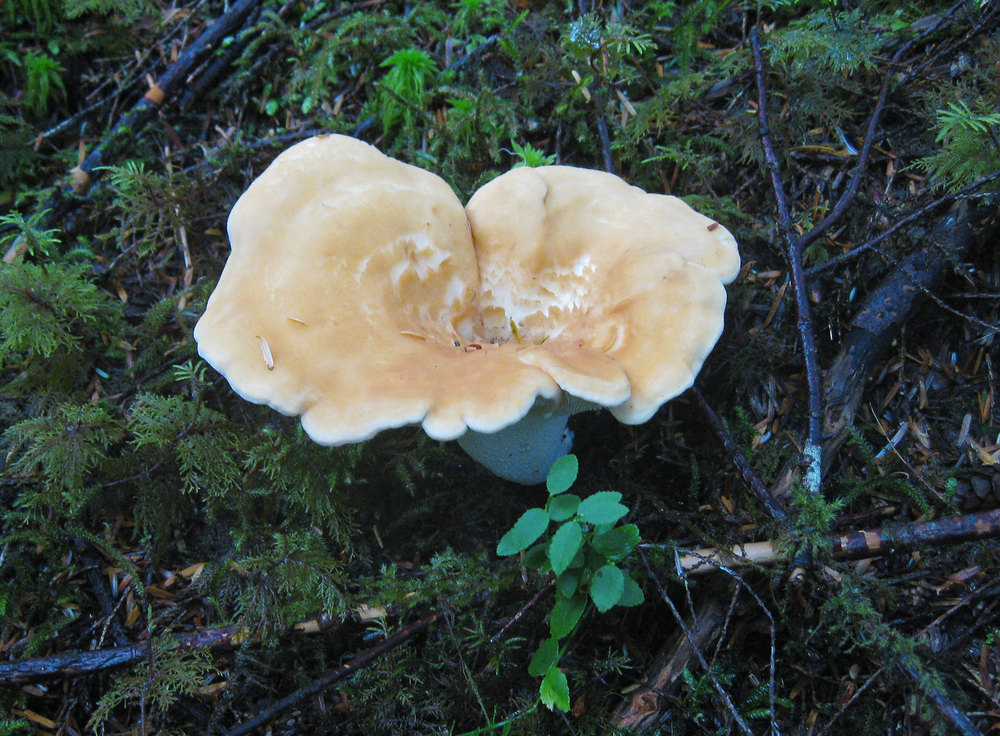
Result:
[{"x": 583, "y": 553}]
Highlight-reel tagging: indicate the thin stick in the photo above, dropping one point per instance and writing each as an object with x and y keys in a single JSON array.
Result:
[
  {"x": 847, "y": 198},
  {"x": 813, "y": 475},
  {"x": 845, "y": 201},
  {"x": 167, "y": 84},
  {"x": 917, "y": 214},
  {"x": 332, "y": 676},
  {"x": 855, "y": 696},
  {"x": 692, "y": 639},
  {"x": 736, "y": 456},
  {"x": 951, "y": 712},
  {"x": 605, "y": 138},
  {"x": 890, "y": 539},
  {"x": 524, "y": 609},
  {"x": 84, "y": 663}
]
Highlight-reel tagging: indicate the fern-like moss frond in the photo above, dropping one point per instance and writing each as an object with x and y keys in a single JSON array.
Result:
[
  {"x": 58, "y": 449},
  {"x": 969, "y": 136},
  {"x": 153, "y": 686},
  {"x": 47, "y": 308},
  {"x": 827, "y": 42}
]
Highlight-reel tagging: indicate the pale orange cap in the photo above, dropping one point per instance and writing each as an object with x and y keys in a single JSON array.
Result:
[{"x": 361, "y": 295}]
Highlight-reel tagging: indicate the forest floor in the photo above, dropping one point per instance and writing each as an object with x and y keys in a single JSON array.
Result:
[{"x": 812, "y": 528}]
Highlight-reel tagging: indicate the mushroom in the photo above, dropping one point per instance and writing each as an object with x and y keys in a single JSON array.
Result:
[{"x": 361, "y": 295}]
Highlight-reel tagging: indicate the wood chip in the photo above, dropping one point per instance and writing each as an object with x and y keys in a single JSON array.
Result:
[
  {"x": 36, "y": 718},
  {"x": 266, "y": 350},
  {"x": 192, "y": 572}
]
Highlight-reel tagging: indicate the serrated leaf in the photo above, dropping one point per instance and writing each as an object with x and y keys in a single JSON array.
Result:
[
  {"x": 616, "y": 543},
  {"x": 525, "y": 532},
  {"x": 595, "y": 560},
  {"x": 567, "y": 583},
  {"x": 632, "y": 595},
  {"x": 565, "y": 615},
  {"x": 563, "y": 507},
  {"x": 537, "y": 555},
  {"x": 562, "y": 474},
  {"x": 607, "y": 587},
  {"x": 545, "y": 658},
  {"x": 602, "y": 508},
  {"x": 566, "y": 542},
  {"x": 554, "y": 690}
]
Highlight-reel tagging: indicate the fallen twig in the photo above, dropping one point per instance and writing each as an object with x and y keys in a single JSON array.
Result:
[
  {"x": 857, "y": 694},
  {"x": 642, "y": 708},
  {"x": 696, "y": 636},
  {"x": 82, "y": 176},
  {"x": 951, "y": 712},
  {"x": 544, "y": 590},
  {"x": 70, "y": 664},
  {"x": 878, "y": 321},
  {"x": 813, "y": 452},
  {"x": 84, "y": 663},
  {"x": 605, "y": 138},
  {"x": 915, "y": 215},
  {"x": 889, "y": 539},
  {"x": 874, "y": 326},
  {"x": 332, "y": 676},
  {"x": 873, "y": 329},
  {"x": 845, "y": 201},
  {"x": 213, "y": 70},
  {"x": 736, "y": 456},
  {"x": 478, "y": 51},
  {"x": 164, "y": 87}
]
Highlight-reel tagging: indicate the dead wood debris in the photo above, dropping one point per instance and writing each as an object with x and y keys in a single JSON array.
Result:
[
  {"x": 893, "y": 539},
  {"x": 832, "y": 408},
  {"x": 841, "y": 391}
]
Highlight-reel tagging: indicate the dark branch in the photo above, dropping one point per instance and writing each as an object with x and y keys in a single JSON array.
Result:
[
  {"x": 890, "y": 539},
  {"x": 736, "y": 456},
  {"x": 334, "y": 675},
  {"x": 168, "y": 83},
  {"x": 916, "y": 215},
  {"x": 844, "y": 203},
  {"x": 793, "y": 255},
  {"x": 84, "y": 663}
]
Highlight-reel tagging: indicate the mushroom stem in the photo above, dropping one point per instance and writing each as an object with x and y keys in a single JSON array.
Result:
[{"x": 524, "y": 451}]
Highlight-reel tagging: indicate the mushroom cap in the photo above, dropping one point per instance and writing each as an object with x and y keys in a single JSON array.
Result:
[
  {"x": 361, "y": 295},
  {"x": 619, "y": 287}
]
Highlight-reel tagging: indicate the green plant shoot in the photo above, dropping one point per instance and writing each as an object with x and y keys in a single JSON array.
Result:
[{"x": 583, "y": 554}]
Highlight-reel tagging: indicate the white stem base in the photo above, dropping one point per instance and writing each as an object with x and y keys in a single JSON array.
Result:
[{"x": 523, "y": 452}]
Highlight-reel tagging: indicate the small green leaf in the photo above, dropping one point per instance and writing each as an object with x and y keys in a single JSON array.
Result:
[
  {"x": 616, "y": 543},
  {"x": 554, "y": 690},
  {"x": 607, "y": 587},
  {"x": 526, "y": 530},
  {"x": 632, "y": 595},
  {"x": 562, "y": 474},
  {"x": 545, "y": 658},
  {"x": 595, "y": 560},
  {"x": 567, "y": 583},
  {"x": 537, "y": 555},
  {"x": 563, "y": 507},
  {"x": 566, "y": 542},
  {"x": 565, "y": 615},
  {"x": 602, "y": 508}
]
